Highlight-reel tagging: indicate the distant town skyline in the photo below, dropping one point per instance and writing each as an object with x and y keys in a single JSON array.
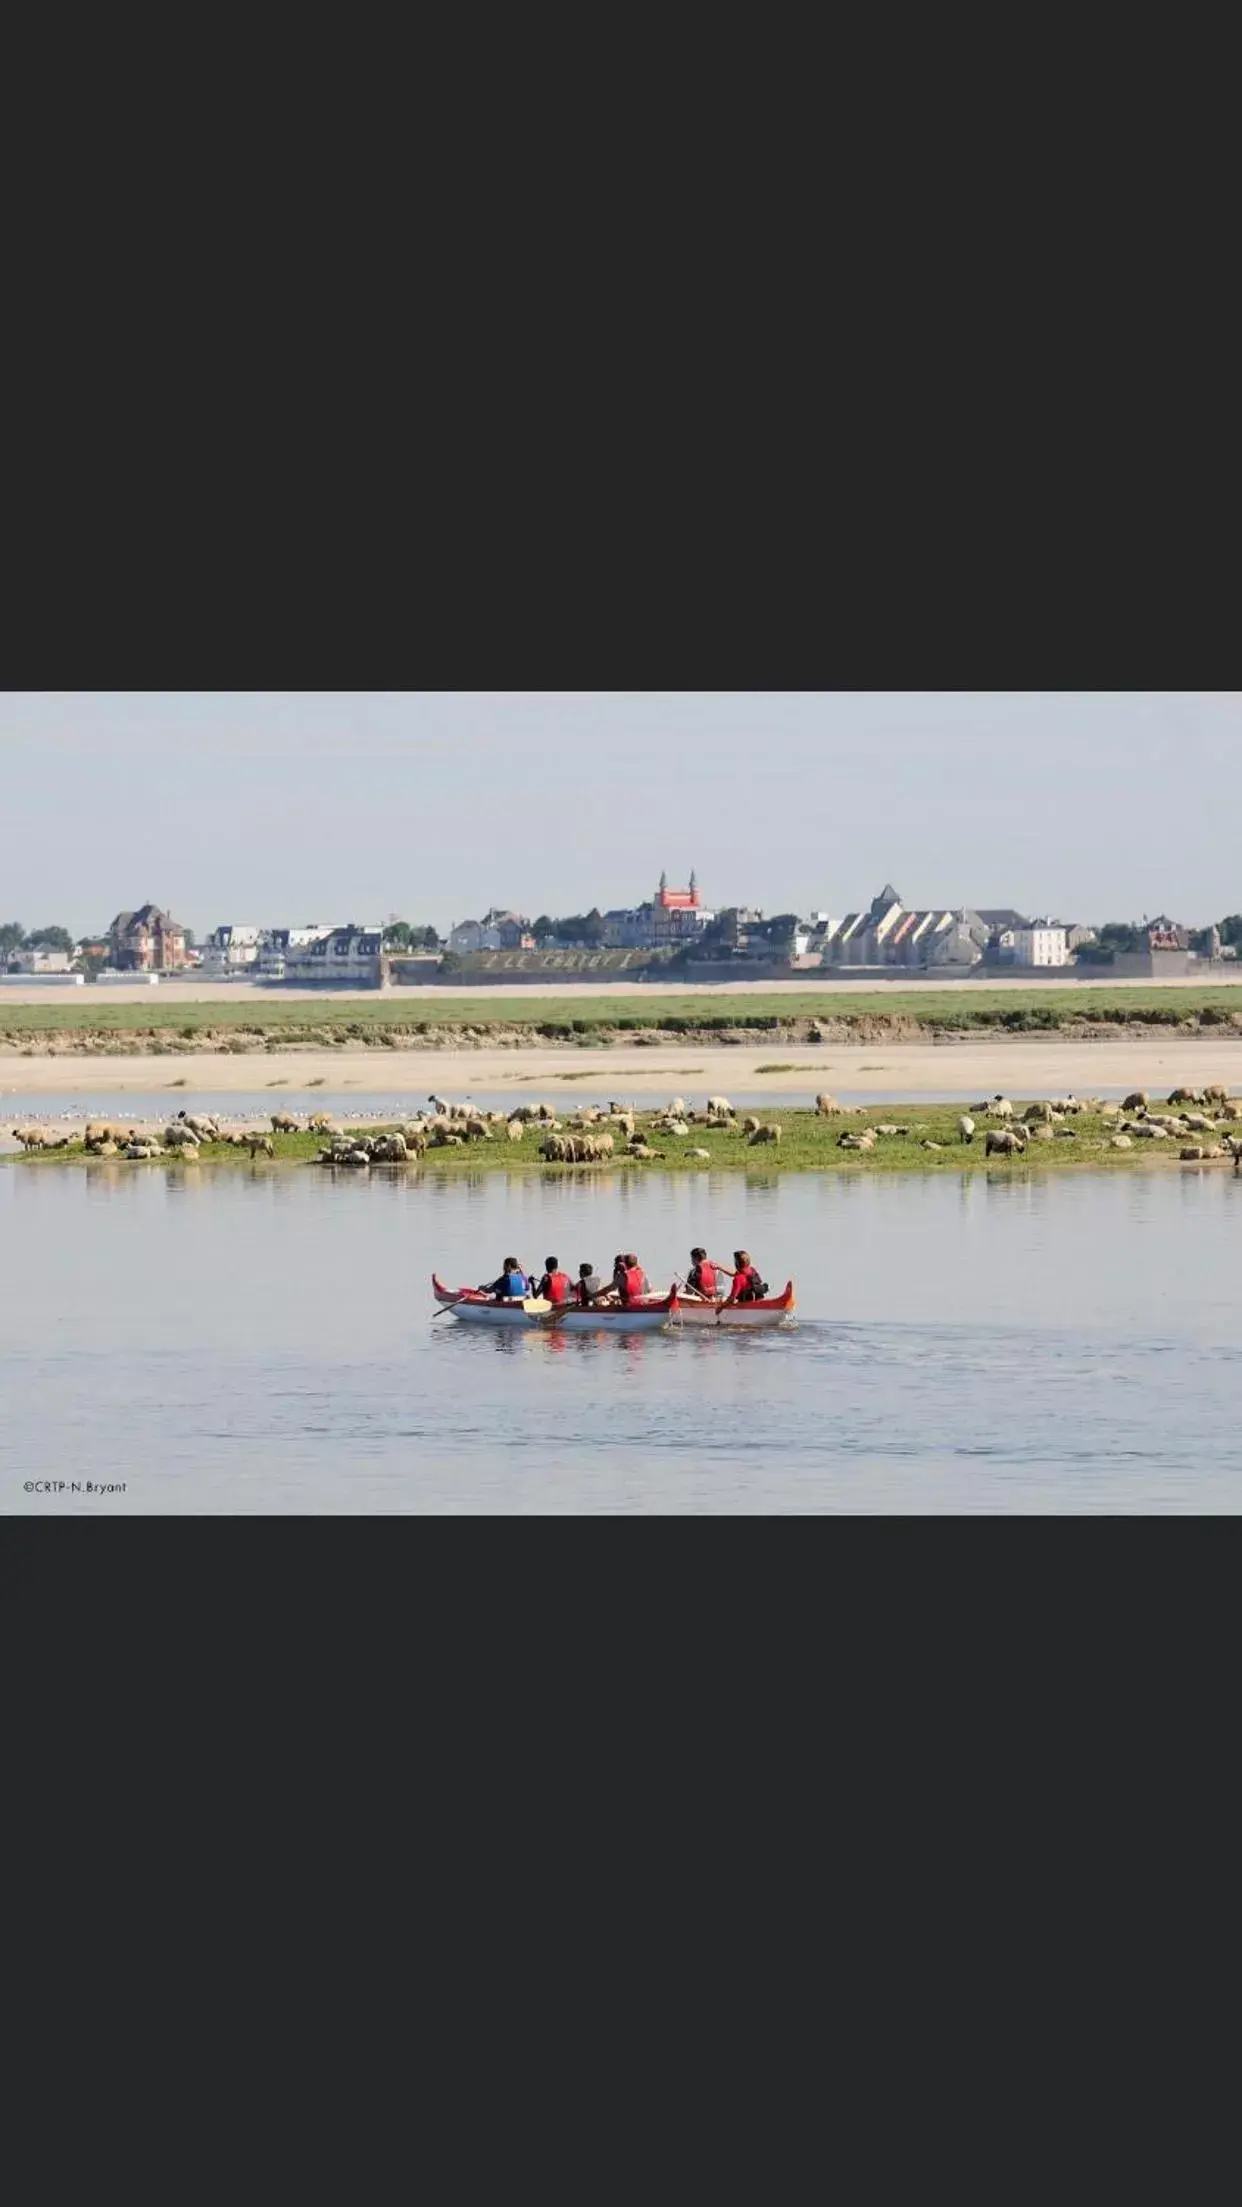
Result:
[{"x": 283, "y": 807}]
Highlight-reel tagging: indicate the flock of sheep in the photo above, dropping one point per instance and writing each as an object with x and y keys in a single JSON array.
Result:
[{"x": 595, "y": 1135}]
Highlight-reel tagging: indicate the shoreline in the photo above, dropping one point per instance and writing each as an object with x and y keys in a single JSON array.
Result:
[{"x": 955, "y": 1070}]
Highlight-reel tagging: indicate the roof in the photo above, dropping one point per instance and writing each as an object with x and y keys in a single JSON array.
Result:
[
  {"x": 1002, "y": 916},
  {"x": 679, "y": 899}
]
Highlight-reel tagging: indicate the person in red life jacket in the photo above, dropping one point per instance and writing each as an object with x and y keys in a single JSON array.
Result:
[
  {"x": 701, "y": 1278},
  {"x": 554, "y": 1286},
  {"x": 629, "y": 1280},
  {"x": 747, "y": 1286}
]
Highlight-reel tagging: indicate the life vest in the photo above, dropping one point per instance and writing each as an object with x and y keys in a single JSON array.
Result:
[
  {"x": 704, "y": 1278},
  {"x": 515, "y": 1284},
  {"x": 558, "y": 1287},
  {"x": 633, "y": 1283},
  {"x": 748, "y": 1283}
]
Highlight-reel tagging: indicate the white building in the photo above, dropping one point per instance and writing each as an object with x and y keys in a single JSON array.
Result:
[
  {"x": 470, "y": 935},
  {"x": 276, "y": 944},
  {"x": 229, "y": 951},
  {"x": 1037, "y": 946},
  {"x": 341, "y": 957},
  {"x": 39, "y": 963}
]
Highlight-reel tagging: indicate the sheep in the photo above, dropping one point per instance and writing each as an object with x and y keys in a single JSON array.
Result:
[
  {"x": 1231, "y": 1108},
  {"x": 1215, "y": 1094},
  {"x": 259, "y": 1145},
  {"x": 930, "y": 1145},
  {"x": 1151, "y": 1132},
  {"x": 677, "y": 1108},
  {"x": 31, "y": 1137},
  {"x": 1198, "y": 1122},
  {"x": 1000, "y": 1108},
  {"x": 478, "y": 1130},
  {"x": 207, "y": 1130},
  {"x": 1120, "y": 1141},
  {"x": 704, "y": 1154},
  {"x": 283, "y": 1122},
  {"x": 1064, "y": 1133},
  {"x": 965, "y": 1128},
  {"x": 719, "y": 1107},
  {"x": 640, "y": 1149},
  {"x": 1043, "y": 1133},
  {"x": 750, "y": 1125},
  {"x": 179, "y": 1137},
  {"x": 1232, "y": 1145},
  {"x": 1193, "y": 1155},
  {"x": 626, "y": 1121},
  {"x": 1037, "y": 1112},
  {"x": 1186, "y": 1096},
  {"x": 764, "y": 1134},
  {"x": 856, "y": 1141},
  {"x": 517, "y": 1130},
  {"x": 827, "y": 1107},
  {"x": 1003, "y": 1142},
  {"x": 1138, "y": 1101}
]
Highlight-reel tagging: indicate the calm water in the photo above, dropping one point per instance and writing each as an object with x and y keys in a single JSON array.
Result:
[{"x": 235, "y": 1341}]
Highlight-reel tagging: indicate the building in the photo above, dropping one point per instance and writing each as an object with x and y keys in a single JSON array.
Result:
[
  {"x": 631, "y": 929},
  {"x": 677, "y": 915},
  {"x": 496, "y": 930},
  {"x": 338, "y": 957},
  {"x": 275, "y": 943},
  {"x": 1037, "y": 945},
  {"x": 40, "y": 963},
  {"x": 892, "y": 934},
  {"x": 147, "y": 941},
  {"x": 229, "y": 951}
]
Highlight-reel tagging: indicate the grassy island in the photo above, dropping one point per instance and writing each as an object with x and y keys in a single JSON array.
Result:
[{"x": 923, "y": 1139}]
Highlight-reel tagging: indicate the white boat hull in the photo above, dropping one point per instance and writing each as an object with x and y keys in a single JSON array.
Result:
[{"x": 475, "y": 1310}]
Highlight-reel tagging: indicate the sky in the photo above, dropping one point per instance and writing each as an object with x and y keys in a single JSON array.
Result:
[{"x": 285, "y": 807}]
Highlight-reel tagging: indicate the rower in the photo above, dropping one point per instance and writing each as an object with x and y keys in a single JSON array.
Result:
[
  {"x": 589, "y": 1287},
  {"x": 747, "y": 1286},
  {"x": 701, "y": 1278},
  {"x": 554, "y": 1286},
  {"x": 629, "y": 1280},
  {"x": 511, "y": 1287}
]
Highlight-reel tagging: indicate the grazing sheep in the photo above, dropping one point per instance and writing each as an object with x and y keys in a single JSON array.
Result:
[
  {"x": 719, "y": 1107},
  {"x": 705, "y": 1154},
  {"x": 1000, "y": 1108},
  {"x": 178, "y": 1136},
  {"x": 283, "y": 1122},
  {"x": 1232, "y": 1144},
  {"x": 259, "y": 1145},
  {"x": 1120, "y": 1141},
  {"x": 827, "y": 1106},
  {"x": 750, "y": 1125},
  {"x": 930, "y": 1145},
  {"x": 676, "y": 1109},
  {"x": 1037, "y": 1112},
  {"x": 517, "y": 1130},
  {"x": 1003, "y": 1142},
  {"x": 764, "y": 1134},
  {"x": 1138, "y": 1101},
  {"x": 478, "y": 1130}
]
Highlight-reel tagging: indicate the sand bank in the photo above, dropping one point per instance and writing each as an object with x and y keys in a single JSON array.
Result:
[
  {"x": 964, "y": 1070},
  {"x": 192, "y": 991}
]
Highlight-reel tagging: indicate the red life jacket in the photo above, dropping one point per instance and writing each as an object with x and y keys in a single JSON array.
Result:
[
  {"x": 747, "y": 1282},
  {"x": 633, "y": 1289},
  {"x": 558, "y": 1287},
  {"x": 704, "y": 1278}
]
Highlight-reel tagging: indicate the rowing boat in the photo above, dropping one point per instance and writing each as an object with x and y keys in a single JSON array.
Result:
[
  {"x": 480, "y": 1309},
  {"x": 773, "y": 1312}
]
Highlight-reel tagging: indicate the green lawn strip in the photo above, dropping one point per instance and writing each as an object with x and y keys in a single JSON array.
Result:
[{"x": 808, "y": 1144}]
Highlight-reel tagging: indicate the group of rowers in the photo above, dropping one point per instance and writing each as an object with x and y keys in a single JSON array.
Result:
[{"x": 629, "y": 1283}]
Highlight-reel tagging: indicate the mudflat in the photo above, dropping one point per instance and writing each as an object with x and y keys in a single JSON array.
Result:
[{"x": 962, "y": 1070}]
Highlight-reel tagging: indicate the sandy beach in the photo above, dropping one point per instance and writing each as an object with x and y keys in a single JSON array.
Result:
[{"x": 960, "y": 1070}]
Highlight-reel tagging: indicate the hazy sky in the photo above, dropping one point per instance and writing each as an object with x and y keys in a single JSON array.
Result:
[{"x": 288, "y": 806}]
